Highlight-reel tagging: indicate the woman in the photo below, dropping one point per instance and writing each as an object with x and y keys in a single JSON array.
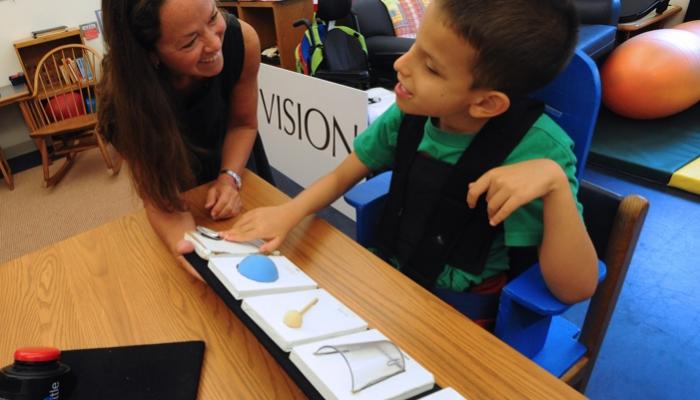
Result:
[{"x": 178, "y": 101}]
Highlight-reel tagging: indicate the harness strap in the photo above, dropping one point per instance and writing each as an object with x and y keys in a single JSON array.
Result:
[{"x": 454, "y": 234}]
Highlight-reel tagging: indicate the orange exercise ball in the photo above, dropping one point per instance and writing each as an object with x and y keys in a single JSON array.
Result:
[
  {"x": 653, "y": 75},
  {"x": 690, "y": 26}
]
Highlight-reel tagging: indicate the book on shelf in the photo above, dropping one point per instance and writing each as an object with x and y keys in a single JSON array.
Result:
[
  {"x": 64, "y": 74},
  {"x": 84, "y": 68},
  {"x": 336, "y": 374},
  {"x": 289, "y": 276},
  {"x": 70, "y": 71},
  {"x": 74, "y": 72},
  {"x": 325, "y": 318}
]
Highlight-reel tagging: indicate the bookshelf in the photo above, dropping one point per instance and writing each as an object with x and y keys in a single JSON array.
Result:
[
  {"x": 30, "y": 51},
  {"x": 272, "y": 20}
]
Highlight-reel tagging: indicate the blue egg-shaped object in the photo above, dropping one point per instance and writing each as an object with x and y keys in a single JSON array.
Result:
[{"x": 259, "y": 268}]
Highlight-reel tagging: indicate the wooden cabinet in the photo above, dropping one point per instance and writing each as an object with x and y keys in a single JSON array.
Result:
[
  {"x": 30, "y": 51},
  {"x": 272, "y": 20}
]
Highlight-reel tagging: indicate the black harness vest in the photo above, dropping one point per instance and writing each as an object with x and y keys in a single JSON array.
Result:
[{"x": 426, "y": 222}]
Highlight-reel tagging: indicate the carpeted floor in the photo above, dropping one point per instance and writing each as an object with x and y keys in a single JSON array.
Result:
[{"x": 32, "y": 216}]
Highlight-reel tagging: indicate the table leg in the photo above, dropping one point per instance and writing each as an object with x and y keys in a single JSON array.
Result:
[{"x": 6, "y": 171}]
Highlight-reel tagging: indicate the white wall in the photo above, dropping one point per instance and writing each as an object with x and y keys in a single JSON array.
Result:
[{"x": 18, "y": 18}]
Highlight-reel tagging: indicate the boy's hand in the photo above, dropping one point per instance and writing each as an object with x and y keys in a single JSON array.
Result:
[
  {"x": 223, "y": 199},
  {"x": 269, "y": 223},
  {"x": 509, "y": 187}
]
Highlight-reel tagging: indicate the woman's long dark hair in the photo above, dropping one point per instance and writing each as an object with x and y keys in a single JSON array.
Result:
[{"x": 135, "y": 109}]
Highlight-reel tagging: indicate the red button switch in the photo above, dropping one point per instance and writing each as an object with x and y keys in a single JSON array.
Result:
[{"x": 37, "y": 354}]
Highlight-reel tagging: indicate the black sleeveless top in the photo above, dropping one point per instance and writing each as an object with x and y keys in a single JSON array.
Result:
[{"x": 203, "y": 116}]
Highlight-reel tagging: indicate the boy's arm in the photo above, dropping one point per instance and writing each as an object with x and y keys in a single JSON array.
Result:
[
  {"x": 567, "y": 257},
  {"x": 568, "y": 260},
  {"x": 274, "y": 223}
]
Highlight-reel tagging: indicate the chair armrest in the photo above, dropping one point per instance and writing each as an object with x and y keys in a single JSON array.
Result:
[
  {"x": 368, "y": 199},
  {"x": 527, "y": 310},
  {"x": 530, "y": 291},
  {"x": 365, "y": 193}
]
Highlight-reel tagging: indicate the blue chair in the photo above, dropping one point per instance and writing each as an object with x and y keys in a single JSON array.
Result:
[{"x": 528, "y": 316}]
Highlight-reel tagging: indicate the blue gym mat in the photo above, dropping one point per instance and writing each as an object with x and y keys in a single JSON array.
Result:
[{"x": 650, "y": 149}]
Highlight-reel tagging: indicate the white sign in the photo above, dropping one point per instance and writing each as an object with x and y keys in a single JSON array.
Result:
[{"x": 308, "y": 124}]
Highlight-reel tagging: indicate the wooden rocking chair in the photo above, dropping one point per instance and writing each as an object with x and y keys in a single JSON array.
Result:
[{"x": 62, "y": 109}]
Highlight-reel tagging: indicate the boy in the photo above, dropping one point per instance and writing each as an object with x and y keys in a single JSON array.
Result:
[{"x": 485, "y": 173}]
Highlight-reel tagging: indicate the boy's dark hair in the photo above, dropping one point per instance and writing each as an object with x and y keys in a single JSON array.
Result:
[{"x": 521, "y": 45}]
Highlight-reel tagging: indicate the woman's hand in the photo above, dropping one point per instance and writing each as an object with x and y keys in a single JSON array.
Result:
[
  {"x": 185, "y": 247},
  {"x": 223, "y": 198}
]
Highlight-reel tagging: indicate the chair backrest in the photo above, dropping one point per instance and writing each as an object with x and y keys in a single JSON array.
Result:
[
  {"x": 64, "y": 85},
  {"x": 598, "y": 12},
  {"x": 372, "y": 18},
  {"x": 331, "y": 10},
  {"x": 614, "y": 224},
  {"x": 573, "y": 100}
]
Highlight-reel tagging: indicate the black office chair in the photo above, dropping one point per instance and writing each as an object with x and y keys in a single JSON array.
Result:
[{"x": 383, "y": 46}]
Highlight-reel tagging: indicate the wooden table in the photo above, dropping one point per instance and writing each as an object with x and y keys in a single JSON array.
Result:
[
  {"x": 117, "y": 285},
  {"x": 9, "y": 95},
  {"x": 12, "y": 94}
]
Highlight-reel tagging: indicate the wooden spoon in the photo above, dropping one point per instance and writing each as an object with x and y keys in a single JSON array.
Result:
[{"x": 293, "y": 318}]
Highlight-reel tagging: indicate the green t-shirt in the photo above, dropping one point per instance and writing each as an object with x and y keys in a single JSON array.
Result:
[{"x": 376, "y": 148}]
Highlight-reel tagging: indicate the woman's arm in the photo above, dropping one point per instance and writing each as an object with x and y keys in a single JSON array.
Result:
[
  {"x": 171, "y": 228},
  {"x": 223, "y": 198}
]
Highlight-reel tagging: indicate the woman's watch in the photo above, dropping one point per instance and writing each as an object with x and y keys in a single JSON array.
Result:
[{"x": 236, "y": 178}]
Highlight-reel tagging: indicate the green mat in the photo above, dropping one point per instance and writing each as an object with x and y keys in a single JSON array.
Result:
[{"x": 651, "y": 149}]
